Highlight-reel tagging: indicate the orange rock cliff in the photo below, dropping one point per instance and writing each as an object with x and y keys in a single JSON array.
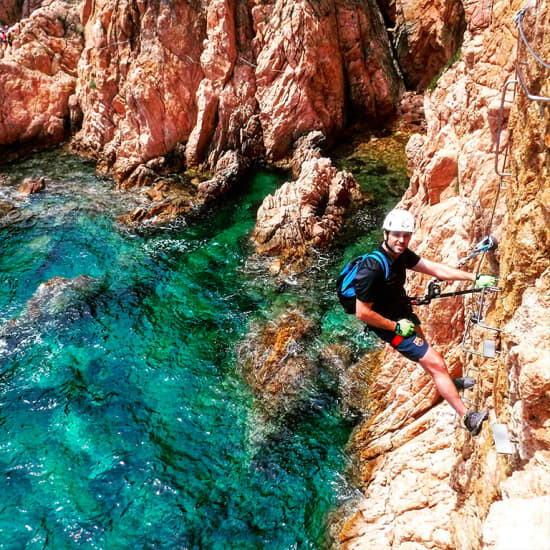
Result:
[
  {"x": 139, "y": 85},
  {"x": 428, "y": 484}
]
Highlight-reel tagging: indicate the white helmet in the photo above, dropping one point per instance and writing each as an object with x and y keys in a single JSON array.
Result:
[{"x": 399, "y": 220}]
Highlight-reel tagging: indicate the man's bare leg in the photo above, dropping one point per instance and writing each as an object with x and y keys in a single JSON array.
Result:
[{"x": 434, "y": 365}]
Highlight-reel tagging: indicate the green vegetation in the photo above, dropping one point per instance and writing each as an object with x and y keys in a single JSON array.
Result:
[{"x": 455, "y": 57}]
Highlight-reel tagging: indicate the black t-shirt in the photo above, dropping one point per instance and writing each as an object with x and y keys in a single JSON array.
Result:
[{"x": 388, "y": 296}]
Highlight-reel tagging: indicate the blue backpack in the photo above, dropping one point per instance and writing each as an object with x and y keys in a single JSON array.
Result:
[{"x": 345, "y": 282}]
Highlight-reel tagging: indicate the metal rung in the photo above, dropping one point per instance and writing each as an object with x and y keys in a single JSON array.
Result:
[
  {"x": 483, "y": 325},
  {"x": 503, "y": 444},
  {"x": 489, "y": 348},
  {"x": 529, "y": 95},
  {"x": 486, "y": 352}
]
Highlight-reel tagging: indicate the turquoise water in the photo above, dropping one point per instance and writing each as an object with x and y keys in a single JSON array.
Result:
[{"x": 125, "y": 422}]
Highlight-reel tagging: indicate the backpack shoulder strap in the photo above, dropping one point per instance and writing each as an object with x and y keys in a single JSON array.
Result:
[{"x": 377, "y": 255}]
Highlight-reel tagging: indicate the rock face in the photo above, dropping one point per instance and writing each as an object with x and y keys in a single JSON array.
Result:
[
  {"x": 244, "y": 76},
  {"x": 216, "y": 76},
  {"x": 425, "y": 35},
  {"x": 38, "y": 76},
  {"x": 427, "y": 483},
  {"x": 10, "y": 12}
]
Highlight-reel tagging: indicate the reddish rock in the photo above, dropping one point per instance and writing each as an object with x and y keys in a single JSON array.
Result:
[
  {"x": 217, "y": 61},
  {"x": 411, "y": 109},
  {"x": 374, "y": 86},
  {"x": 10, "y": 11},
  {"x": 478, "y": 14},
  {"x": 249, "y": 77},
  {"x": 38, "y": 76},
  {"x": 306, "y": 213},
  {"x": 275, "y": 361},
  {"x": 425, "y": 36},
  {"x": 479, "y": 499},
  {"x": 32, "y": 185},
  {"x": 137, "y": 82}
]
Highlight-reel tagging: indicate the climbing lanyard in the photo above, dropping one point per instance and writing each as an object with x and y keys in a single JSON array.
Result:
[{"x": 434, "y": 291}]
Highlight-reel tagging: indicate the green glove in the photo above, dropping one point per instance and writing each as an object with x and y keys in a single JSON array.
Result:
[
  {"x": 404, "y": 328},
  {"x": 485, "y": 280}
]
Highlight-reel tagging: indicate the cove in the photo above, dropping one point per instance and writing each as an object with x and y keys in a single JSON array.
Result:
[{"x": 125, "y": 422}]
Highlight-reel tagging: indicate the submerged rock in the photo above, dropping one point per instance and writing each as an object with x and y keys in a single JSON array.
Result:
[
  {"x": 275, "y": 362},
  {"x": 9, "y": 214},
  {"x": 55, "y": 305},
  {"x": 59, "y": 294}
]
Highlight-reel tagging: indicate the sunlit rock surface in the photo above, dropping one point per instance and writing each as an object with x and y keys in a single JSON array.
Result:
[
  {"x": 38, "y": 76},
  {"x": 425, "y": 36},
  {"x": 249, "y": 77},
  {"x": 30, "y": 186},
  {"x": 307, "y": 213}
]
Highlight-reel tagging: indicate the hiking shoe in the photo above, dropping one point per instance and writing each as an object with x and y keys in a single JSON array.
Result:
[
  {"x": 473, "y": 421},
  {"x": 464, "y": 383}
]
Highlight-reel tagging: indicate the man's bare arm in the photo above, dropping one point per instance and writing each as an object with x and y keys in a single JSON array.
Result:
[
  {"x": 364, "y": 312},
  {"x": 442, "y": 271}
]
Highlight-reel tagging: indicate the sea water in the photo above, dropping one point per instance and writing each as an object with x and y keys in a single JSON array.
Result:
[{"x": 125, "y": 420}]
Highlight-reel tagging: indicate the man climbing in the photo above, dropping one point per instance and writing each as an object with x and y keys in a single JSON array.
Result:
[{"x": 382, "y": 303}]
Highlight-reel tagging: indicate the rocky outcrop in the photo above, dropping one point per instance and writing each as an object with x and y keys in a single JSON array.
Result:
[
  {"x": 136, "y": 83},
  {"x": 30, "y": 186},
  {"x": 177, "y": 198},
  {"x": 38, "y": 77},
  {"x": 248, "y": 77},
  {"x": 307, "y": 213},
  {"x": 427, "y": 483}
]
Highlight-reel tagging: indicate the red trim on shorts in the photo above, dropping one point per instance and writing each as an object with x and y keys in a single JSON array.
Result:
[{"x": 397, "y": 339}]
